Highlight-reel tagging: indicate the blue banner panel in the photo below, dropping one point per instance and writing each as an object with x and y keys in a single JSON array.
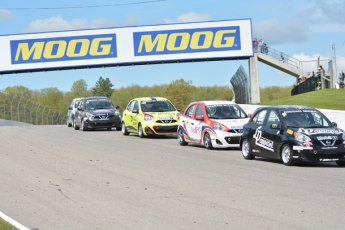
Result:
[
  {"x": 63, "y": 49},
  {"x": 187, "y": 41}
]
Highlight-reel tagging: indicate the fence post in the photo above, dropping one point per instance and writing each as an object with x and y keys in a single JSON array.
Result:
[
  {"x": 42, "y": 114},
  {"x": 48, "y": 116},
  {"x": 11, "y": 105},
  {"x": 5, "y": 106},
  {"x": 53, "y": 117},
  {"x": 36, "y": 114},
  {"x": 31, "y": 112},
  {"x": 25, "y": 110},
  {"x": 57, "y": 120},
  {"x": 20, "y": 99}
]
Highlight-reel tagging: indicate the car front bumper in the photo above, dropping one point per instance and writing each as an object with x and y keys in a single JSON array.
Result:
[
  {"x": 102, "y": 123},
  {"x": 334, "y": 153}
]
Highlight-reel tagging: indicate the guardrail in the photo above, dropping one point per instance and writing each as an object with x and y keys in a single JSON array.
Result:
[{"x": 19, "y": 109}]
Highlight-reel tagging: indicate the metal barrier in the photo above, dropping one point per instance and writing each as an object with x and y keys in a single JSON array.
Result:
[
  {"x": 307, "y": 86},
  {"x": 23, "y": 110}
]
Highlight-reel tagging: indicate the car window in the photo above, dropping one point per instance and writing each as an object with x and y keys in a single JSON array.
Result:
[
  {"x": 272, "y": 118},
  {"x": 130, "y": 105},
  {"x": 157, "y": 106},
  {"x": 190, "y": 111},
  {"x": 136, "y": 105},
  {"x": 199, "y": 111},
  {"x": 305, "y": 118},
  {"x": 259, "y": 118}
]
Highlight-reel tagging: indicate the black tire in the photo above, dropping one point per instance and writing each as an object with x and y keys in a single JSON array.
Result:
[
  {"x": 140, "y": 131},
  {"x": 181, "y": 139},
  {"x": 109, "y": 128},
  {"x": 207, "y": 141},
  {"x": 286, "y": 155},
  {"x": 247, "y": 150},
  {"x": 118, "y": 128},
  {"x": 83, "y": 128},
  {"x": 69, "y": 124},
  {"x": 123, "y": 129},
  {"x": 75, "y": 125},
  {"x": 340, "y": 163}
]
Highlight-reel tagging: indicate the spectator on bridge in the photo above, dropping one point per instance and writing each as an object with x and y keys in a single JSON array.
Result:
[
  {"x": 261, "y": 45},
  {"x": 255, "y": 44},
  {"x": 281, "y": 57},
  {"x": 265, "y": 49},
  {"x": 340, "y": 78},
  {"x": 343, "y": 74}
]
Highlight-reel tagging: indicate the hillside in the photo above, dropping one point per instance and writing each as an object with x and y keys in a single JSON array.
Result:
[{"x": 322, "y": 99}]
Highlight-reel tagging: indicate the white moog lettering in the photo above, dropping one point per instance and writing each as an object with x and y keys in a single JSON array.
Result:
[{"x": 262, "y": 142}]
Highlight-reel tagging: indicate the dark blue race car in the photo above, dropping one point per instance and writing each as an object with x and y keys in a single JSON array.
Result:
[{"x": 293, "y": 134}]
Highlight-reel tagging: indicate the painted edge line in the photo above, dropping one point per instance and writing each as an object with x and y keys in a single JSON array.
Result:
[{"x": 13, "y": 222}]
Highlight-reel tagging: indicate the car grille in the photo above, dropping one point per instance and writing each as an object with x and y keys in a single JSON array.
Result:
[
  {"x": 103, "y": 116},
  {"x": 166, "y": 121},
  {"x": 325, "y": 155},
  {"x": 327, "y": 143},
  {"x": 235, "y": 131},
  {"x": 232, "y": 140},
  {"x": 165, "y": 129}
]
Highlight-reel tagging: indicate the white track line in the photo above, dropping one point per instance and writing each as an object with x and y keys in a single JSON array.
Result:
[{"x": 13, "y": 222}]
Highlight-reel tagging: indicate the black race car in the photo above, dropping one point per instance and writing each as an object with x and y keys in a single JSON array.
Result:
[
  {"x": 97, "y": 113},
  {"x": 293, "y": 134}
]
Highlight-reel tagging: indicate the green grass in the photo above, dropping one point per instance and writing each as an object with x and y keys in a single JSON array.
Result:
[
  {"x": 322, "y": 99},
  {"x": 6, "y": 226}
]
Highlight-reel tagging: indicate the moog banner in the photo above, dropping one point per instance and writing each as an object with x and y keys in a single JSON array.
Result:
[{"x": 126, "y": 46}]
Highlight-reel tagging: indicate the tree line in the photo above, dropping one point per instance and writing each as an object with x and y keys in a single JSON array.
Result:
[{"x": 180, "y": 92}]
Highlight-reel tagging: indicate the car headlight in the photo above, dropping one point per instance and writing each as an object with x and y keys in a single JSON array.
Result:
[
  {"x": 301, "y": 137},
  {"x": 117, "y": 113},
  {"x": 219, "y": 127},
  {"x": 148, "y": 118},
  {"x": 88, "y": 114}
]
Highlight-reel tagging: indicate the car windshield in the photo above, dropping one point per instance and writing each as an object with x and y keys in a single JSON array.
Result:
[
  {"x": 93, "y": 104},
  {"x": 226, "y": 111},
  {"x": 157, "y": 106},
  {"x": 307, "y": 118}
]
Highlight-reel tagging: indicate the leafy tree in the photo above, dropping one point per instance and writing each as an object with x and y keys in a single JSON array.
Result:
[
  {"x": 103, "y": 87},
  {"x": 79, "y": 88},
  {"x": 180, "y": 92}
]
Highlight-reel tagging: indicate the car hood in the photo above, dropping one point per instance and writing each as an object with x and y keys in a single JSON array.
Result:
[
  {"x": 170, "y": 114},
  {"x": 323, "y": 131},
  {"x": 98, "y": 111},
  {"x": 233, "y": 123}
]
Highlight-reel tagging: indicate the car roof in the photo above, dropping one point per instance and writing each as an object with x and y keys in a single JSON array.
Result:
[
  {"x": 97, "y": 97},
  {"x": 216, "y": 102},
  {"x": 288, "y": 107},
  {"x": 150, "y": 98}
]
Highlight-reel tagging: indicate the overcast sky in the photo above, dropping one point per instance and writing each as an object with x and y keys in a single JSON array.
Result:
[{"x": 304, "y": 29}]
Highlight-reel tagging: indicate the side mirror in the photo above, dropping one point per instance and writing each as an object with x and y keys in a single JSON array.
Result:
[
  {"x": 335, "y": 124},
  {"x": 79, "y": 109},
  {"x": 69, "y": 108},
  {"x": 179, "y": 109},
  {"x": 134, "y": 111},
  {"x": 275, "y": 126},
  {"x": 249, "y": 115},
  {"x": 117, "y": 107},
  {"x": 199, "y": 118}
]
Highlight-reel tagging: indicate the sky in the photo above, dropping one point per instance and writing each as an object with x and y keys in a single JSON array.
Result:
[{"x": 303, "y": 29}]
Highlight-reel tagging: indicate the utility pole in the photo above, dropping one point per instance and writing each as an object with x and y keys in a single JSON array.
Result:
[{"x": 335, "y": 63}]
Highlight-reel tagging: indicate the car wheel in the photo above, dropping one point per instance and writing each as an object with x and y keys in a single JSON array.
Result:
[
  {"x": 181, "y": 139},
  {"x": 75, "y": 125},
  {"x": 246, "y": 150},
  {"x": 286, "y": 155},
  {"x": 340, "y": 163},
  {"x": 123, "y": 129},
  {"x": 69, "y": 124},
  {"x": 83, "y": 128},
  {"x": 207, "y": 141},
  {"x": 140, "y": 131},
  {"x": 118, "y": 128}
]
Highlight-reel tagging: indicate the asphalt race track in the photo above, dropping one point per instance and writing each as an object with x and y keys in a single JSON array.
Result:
[{"x": 54, "y": 177}]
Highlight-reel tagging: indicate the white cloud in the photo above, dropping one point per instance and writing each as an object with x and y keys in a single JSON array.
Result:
[
  {"x": 189, "y": 17},
  {"x": 58, "y": 23},
  {"x": 6, "y": 15},
  {"x": 281, "y": 32}
]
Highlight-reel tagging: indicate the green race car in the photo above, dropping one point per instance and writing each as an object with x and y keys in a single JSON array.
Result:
[{"x": 150, "y": 116}]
